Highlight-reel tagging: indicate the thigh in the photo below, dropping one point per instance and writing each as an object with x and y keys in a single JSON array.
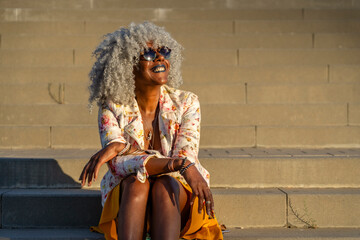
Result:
[{"x": 166, "y": 189}]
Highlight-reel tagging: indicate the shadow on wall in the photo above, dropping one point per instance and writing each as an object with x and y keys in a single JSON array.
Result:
[{"x": 34, "y": 173}]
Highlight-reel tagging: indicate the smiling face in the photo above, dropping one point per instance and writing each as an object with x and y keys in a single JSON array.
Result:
[{"x": 153, "y": 72}]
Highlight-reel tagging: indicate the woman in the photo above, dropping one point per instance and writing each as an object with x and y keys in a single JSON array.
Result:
[{"x": 150, "y": 136}]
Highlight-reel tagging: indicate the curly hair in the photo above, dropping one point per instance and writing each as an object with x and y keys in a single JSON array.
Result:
[{"x": 112, "y": 78}]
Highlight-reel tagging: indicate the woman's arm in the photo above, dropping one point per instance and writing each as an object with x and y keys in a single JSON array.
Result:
[
  {"x": 187, "y": 145},
  {"x": 112, "y": 141},
  {"x": 91, "y": 169}
]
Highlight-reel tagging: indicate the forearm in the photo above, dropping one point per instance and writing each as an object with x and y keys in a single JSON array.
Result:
[{"x": 155, "y": 166}]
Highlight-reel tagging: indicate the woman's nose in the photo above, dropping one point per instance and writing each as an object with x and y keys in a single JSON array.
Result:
[{"x": 159, "y": 57}]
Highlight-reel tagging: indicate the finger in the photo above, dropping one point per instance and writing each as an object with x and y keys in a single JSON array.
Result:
[
  {"x": 208, "y": 201},
  {"x": 83, "y": 180},
  {"x": 97, "y": 169},
  {"x": 193, "y": 196},
  {"x": 201, "y": 201},
  {"x": 91, "y": 172},
  {"x": 82, "y": 173},
  {"x": 212, "y": 204}
]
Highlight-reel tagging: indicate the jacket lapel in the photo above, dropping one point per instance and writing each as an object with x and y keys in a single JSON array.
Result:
[
  {"x": 167, "y": 122},
  {"x": 134, "y": 128}
]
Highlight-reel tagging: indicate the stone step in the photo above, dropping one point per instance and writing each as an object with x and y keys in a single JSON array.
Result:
[
  {"x": 73, "y": 208},
  {"x": 234, "y": 234},
  {"x": 185, "y": 27},
  {"x": 193, "y": 57},
  {"x": 303, "y": 93},
  {"x": 228, "y": 41},
  {"x": 228, "y": 167},
  {"x": 244, "y": 207},
  {"x": 331, "y": 40},
  {"x": 34, "y": 93},
  {"x": 300, "y": 56},
  {"x": 162, "y": 14},
  {"x": 226, "y": 136},
  {"x": 101, "y": 27},
  {"x": 244, "y": 40},
  {"x": 298, "y": 26},
  {"x": 224, "y": 114},
  {"x": 298, "y": 74},
  {"x": 48, "y": 233},
  {"x": 252, "y": 93},
  {"x": 81, "y": 4}
]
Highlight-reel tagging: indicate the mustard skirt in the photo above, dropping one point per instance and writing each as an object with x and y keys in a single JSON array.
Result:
[{"x": 199, "y": 225}]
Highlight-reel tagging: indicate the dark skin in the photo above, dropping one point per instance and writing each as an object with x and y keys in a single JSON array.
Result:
[{"x": 164, "y": 197}]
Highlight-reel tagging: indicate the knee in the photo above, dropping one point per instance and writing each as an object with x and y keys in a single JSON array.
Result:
[
  {"x": 135, "y": 190},
  {"x": 165, "y": 189}
]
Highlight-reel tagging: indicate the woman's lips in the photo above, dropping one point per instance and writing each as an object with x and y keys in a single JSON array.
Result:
[{"x": 159, "y": 68}]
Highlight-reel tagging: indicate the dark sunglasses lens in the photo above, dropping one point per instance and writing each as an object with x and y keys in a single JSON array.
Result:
[
  {"x": 165, "y": 52},
  {"x": 149, "y": 55}
]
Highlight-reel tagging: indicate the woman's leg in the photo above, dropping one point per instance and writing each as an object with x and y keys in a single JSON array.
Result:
[
  {"x": 133, "y": 201},
  {"x": 169, "y": 208}
]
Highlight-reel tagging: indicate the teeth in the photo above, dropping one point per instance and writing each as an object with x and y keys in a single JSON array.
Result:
[{"x": 159, "y": 69}]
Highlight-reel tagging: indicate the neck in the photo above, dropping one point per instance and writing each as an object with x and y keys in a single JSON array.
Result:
[{"x": 147, "y": 99}]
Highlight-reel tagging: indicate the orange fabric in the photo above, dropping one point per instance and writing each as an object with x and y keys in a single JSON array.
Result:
[{"x": 199, "y": 226}]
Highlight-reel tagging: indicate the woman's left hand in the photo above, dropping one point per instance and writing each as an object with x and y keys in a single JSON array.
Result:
[
  {"x": 200, "y": 189},
  {"x": 92, "y": 168}
]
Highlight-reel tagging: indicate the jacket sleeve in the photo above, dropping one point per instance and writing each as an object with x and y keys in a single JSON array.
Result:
[
  {"x": 188, "y": 135},
  {"x": 110, "y": 131},
  {"x": 109, "y": 128}
]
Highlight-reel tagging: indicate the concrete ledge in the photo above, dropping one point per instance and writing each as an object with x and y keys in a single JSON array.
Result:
[
  {"x": 54, "y": 234},
  {"x": 298, "y": 26},
  {"x": 274, "y": 74},
  {"x": 139, "y": 14},
  {"x": 324, "y": 207},
  {"x": 293, "y": 234},
  {"x": 298, "y": 56},
  {"x": 39, "y": 208},
  {"x": 234, "y": 234},
  {"x": 344, "y": 73},
  {"x": 24, "y": 137},
  {"x": 308, "y": 137},
  {"x": 50, "y": 208},
  {"x": 250, "y": 207},
  {"x": 228, "y": 167}
]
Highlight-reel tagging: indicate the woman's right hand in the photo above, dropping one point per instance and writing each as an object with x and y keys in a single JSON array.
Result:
[
  {"x": 91, "y": 169},
  {"x": 200, "y": 189}
]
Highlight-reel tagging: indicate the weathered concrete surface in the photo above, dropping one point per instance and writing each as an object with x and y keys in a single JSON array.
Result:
[
  {"x": 292, "y": 234},
  {"x": 234, "y": 234},
  {"x": 324, "y": 207},
  {"x": 55, "y": 234},
  {"x": 72, "y": 208},
  {"x": 38, "y": 208},
  {"x": 250, "y": 167},
  {"x": 250, "y": 207},
  {"x": 308, "y": 137}
]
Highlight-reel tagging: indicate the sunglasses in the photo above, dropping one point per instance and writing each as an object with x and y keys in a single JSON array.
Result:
[{"x": 150, "y": 54}]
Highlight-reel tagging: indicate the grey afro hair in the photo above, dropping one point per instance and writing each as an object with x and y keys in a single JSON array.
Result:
[{"x": 112, "y": 78}]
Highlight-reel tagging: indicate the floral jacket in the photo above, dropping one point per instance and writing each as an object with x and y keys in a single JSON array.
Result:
[{"x": 179, "y": 126}]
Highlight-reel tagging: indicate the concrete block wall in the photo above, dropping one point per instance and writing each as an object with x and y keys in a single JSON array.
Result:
[{"x": 284, "y": 73}]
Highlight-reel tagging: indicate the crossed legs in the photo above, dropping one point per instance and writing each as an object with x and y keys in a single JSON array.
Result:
[{"x": 169, "y": 208}]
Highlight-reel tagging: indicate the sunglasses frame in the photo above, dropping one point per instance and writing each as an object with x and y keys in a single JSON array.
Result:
[{"x": 154, "y": 55}]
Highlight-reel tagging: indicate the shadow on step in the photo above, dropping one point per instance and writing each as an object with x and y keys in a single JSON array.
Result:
[{"x": 34, "y": 173}]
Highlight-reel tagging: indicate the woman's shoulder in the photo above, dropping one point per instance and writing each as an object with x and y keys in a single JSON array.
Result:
[
  {"x": 180, "y": 96},
  {"x": 119, "y": 109}
]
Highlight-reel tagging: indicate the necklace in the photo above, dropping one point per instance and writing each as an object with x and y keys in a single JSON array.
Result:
[{"x": 151, "y": 128}]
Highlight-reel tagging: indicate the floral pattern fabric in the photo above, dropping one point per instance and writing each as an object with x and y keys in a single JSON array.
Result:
[{"x": 179, "y": 127}]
